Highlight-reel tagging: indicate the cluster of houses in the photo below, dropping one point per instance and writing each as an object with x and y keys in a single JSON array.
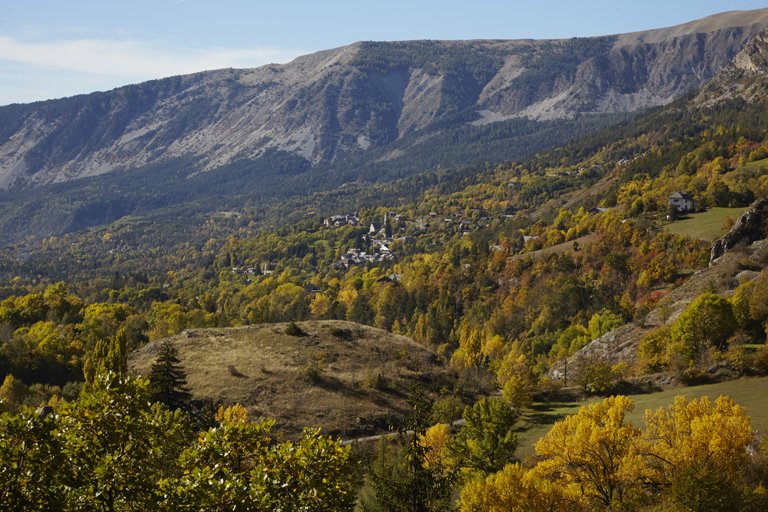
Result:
[
  {"x": 379, "y": 228},
  {"x": 456, "y": 219},
  {"x": 238, "y": 270},
  {"x": 379, "y": 248},
  {"x": 342, "y": 220},
  {"x": 355, "y": 257},
  {"x": 352, "y": 219},
  {"x": 380, "y": 252}
]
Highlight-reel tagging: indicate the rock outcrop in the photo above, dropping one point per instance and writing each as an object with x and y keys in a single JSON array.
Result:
[
  {"x": 743, "y": 77},
  {"x": 751, "y": 226}
]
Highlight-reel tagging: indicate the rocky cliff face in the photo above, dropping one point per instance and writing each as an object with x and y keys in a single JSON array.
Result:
[
  {"x": 342, "y": 102},
  {"x": 750, "y": 226},
  {"x": 641, "y": 70},
  {"x": 743, "y": 77}
]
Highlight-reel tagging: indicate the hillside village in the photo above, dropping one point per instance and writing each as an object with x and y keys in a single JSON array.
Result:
[{"x": 380, "y": 235}]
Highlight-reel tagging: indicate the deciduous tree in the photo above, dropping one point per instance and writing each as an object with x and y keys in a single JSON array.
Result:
[
  {"x": 707, "y": 321},
  {"x": 591, "y": 453},
  {"x": 695, "y": 430},
  {"x": 514, "y": 489},
  {"x": 31, "y": 459}
]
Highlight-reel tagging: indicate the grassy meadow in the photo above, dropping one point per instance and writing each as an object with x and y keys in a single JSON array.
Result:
[{"x": 706, "y": 226}]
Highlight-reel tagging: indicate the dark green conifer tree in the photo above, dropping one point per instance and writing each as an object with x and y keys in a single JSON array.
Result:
[
  {"x": 168, "y": 380},
  {"x": 413, "y": 485}
]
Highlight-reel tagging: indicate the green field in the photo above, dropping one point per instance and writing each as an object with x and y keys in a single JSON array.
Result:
[
  {"x": 704, "y": 226},
  {"x": 537, "y": 421},
  {"x": 758, "y": 163},
  {"x": 750, "y": 393}
]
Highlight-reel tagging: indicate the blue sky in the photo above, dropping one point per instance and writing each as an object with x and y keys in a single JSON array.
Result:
[{"x": 52, "y": 49}]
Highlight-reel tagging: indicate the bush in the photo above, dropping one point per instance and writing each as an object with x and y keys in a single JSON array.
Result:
[
  {"x": 653, "y": 350},
  {"x": 707, "y": 322},
  {"x": 294, "y": 330},
  {"x": 71, "y": 391},
  {"x": 760, "y": 361},
  {"x": 343, "y": 334},
  {"x": 374, "y": 382},
  {"x": 314, "y": 367}
]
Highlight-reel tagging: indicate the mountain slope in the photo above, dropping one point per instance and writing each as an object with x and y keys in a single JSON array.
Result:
[
  {"x": 343, "y": 102},
  {"x": 743, "y": 77}
]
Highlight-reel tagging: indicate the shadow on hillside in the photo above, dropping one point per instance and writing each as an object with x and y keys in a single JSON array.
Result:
[
  {"x": 549, "y": 413},
  {"x": 335, "y": 385},
  {"x": 236, "y": 373}
]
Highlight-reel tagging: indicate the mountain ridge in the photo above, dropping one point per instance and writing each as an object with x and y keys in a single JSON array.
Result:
[{"x": 327, "y": 106}]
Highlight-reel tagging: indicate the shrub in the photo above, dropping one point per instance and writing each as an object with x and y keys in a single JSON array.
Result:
[
  {"x": 344, "y": 334},
  {"x": 653, "y": 350},
  {"x": 374, "y": 382},
  {"x": 71, "y": 391},
  {"x": 760, "y": 360},
  {"x": 314, "y": 367},
  {"x": 707, "y": 322},
  {"x": 234, "y": 372},
  {"x": 294, "y": 330}
]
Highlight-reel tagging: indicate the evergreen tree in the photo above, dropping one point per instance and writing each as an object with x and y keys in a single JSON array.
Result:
[
  {"x": 487, "y": 441},
  {"x": 168, "y": 380},
  {"x": 417, "y": 485}
]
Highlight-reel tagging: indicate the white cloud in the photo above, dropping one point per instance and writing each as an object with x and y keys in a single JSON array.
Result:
[{"x": 128, "y": 58}]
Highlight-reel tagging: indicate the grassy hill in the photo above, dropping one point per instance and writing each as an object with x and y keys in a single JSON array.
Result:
[{"x": 366, "y": 373}]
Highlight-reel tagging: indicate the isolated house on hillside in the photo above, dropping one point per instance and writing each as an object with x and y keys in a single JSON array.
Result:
[{"x": 682, "y": 201}]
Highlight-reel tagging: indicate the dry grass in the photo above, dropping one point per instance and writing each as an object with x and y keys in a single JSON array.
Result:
[{"x": 261, "y": 368}]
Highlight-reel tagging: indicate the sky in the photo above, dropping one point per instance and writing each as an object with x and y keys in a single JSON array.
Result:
[{"x": 54, "y": 49}]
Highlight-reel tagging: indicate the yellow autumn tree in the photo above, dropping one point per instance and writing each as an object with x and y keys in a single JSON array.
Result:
[
  {"x": 107, "y": 356},
  {"x": 592, "y": 455},
  {"x": 514, "y": 489},
  {"x": 516, "y": 380},
  {"x": 470, "y": 351},
  {"x": 434, "y": 440},
  {"x": 494, "y": 348},
  {"x": 694, "y": 431}
]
